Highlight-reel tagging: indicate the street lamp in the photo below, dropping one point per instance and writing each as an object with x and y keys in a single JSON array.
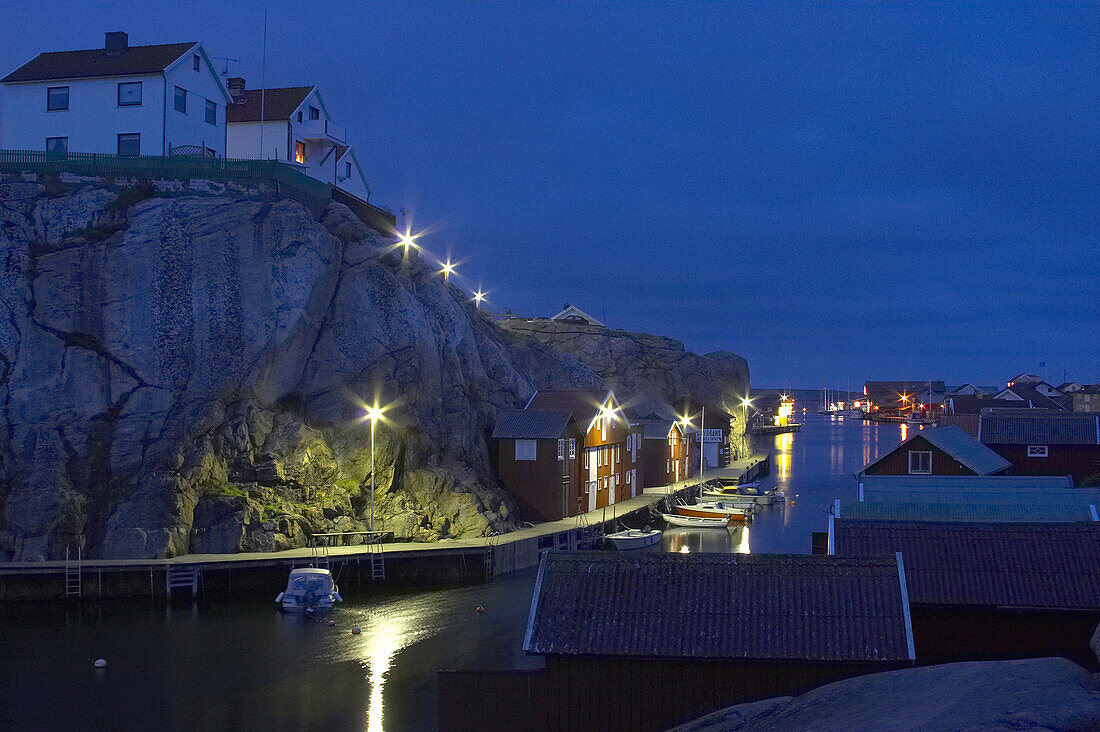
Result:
[
  {"x": 373, "y": 414},
  {"x": 744, "y": 421},
  {"x": 447, "y": 270},
  {"x": 478, "y": 297},
  {"x": 407, "y": 241}
]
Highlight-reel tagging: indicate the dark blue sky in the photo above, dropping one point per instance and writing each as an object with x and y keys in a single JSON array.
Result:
[{"x": 831, "y": 190}]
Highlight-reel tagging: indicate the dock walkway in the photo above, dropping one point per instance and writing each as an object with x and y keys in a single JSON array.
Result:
[{"x": 481, "y": 556}]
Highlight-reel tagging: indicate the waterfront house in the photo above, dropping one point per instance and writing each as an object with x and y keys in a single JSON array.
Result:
[
  {"x": 950, "y": 488},
  {"x": 939, "y": 451},
  {"x": 120, "y": 99},
  {"x": 293, "y": 124},
  {"x": 985, "y": 591},
  {"x": 646, "y": 641},
  {"x": 1042, "y": 442},
  {"x": 536, "y": 456},
  {"x": 573, "y": 314},
  {"x": 664, "y": 452},
  {"x": 611, "y": 443},
  {"x": 1030, "y": 396},
  {"x": 900, "y": 397}
]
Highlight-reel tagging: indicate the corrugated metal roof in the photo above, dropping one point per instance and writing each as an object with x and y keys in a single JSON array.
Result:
[
  {"x": 729, "y": 606},
  {"x": 530, "y": 424},
  {"x": 656, "y": 429},
  {"x": 1036, "y": 565},
  {"x": 960, "y": 446},
  {"x": 95, "y": 62},
  {"x": 963, "y": 483},
  {"x": 1040, "y": 429},
  {"x": 993, "y": 510}
]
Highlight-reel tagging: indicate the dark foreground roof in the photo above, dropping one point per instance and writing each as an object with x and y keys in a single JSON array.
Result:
[
  {"x": 278, "y": 104},
  {"x": 95, "y": 62},
  {"x": 1040, "y": 429},
  {"x": 583, "y": 403},
  {"x": 527, "y": 424},
  {"x": 728, "y": 606},
  {"x": 1035, "y": 565}
]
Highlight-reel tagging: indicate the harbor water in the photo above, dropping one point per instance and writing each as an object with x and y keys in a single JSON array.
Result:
[{"x": 243, "y": 664}]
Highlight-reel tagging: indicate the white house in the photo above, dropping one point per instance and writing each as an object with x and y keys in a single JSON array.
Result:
[
  {"x": 292, "y": 124},
  {"x": 573, "y": 314},
  {"x": 119, "y": 99}
]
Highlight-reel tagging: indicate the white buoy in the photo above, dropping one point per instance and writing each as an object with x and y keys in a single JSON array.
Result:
[{"x": 101, "y": 663}]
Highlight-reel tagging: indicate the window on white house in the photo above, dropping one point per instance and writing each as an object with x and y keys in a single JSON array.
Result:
[
  {"x": 57, "y": 98},
  {"x": 526, "y": 450},
  {"x": 180, "y": 104},
  {"x": 920, "y": 462},
  {"x": 129, "y": 144},
  {"x": 299, "y": 115},
  {"x": 129, "y": 93},
  {"x": 347, "y": 170},
  {"x": 196, "y": 62},
  {"x": 57, "y": 144},
  {"x": 1037, "y": 451},
  {"x": 211, "y": 113},
  {"x": 572, "y": 448},
  {"x": 561, "y": 449},
  {"x": 299, "y": 152},
  {"x": 314, "y": 113}
]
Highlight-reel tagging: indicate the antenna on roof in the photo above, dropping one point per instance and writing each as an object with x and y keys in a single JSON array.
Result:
[
  {"x": 263, "y": 86},
  {"x": 225, "y": 66}
]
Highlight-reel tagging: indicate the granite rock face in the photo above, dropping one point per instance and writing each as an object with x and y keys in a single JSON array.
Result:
[
  {"x": 189, "y": 375},
  {"x": 1039, "y": 693}
]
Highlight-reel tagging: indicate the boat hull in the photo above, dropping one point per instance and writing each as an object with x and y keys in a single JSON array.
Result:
[
  {"x": 732, "y": 515},
  {"x": 695, "y": 522},
  {"x": 633, "y": 539},
  {"x": 734, "y": 498}
]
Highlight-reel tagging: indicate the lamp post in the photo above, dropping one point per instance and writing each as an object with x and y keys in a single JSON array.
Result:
[
  {"x": 448, "y": 268},
  {"x": 744, "y": 421},
  {"x": 478, "y": 297},
  {"x": 374, "y": 413}
]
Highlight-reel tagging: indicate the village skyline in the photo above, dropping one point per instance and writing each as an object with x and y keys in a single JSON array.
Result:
[{"x": 877, "y": 213}]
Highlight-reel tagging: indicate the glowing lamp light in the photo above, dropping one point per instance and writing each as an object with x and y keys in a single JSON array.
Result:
[
  {"x": 685, "y": 550},
  {"x": 478, "y": 297},
  {"x": 448, "y": 270},
  {"x": 374, "y": 413},
  {"x": 407, "y": 241}
]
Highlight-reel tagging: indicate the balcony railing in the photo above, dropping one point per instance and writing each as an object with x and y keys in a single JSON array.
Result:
[{"x": 323, "y": 129}]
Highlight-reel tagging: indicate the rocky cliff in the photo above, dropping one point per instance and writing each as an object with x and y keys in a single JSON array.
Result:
[{"x": 189, "y": 373}]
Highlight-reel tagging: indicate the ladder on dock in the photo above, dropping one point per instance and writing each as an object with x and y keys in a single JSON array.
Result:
[
  {"x": 490, "y": 557},
  {"x": 182, "y": 577},
  {"x": 377, "y": 562},
  {"x": 74, "y": 579}
]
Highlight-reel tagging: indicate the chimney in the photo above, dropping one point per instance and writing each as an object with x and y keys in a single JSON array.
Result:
[
  {"x": 116, "y": 44},
  {"x": 236, "y": 87}
]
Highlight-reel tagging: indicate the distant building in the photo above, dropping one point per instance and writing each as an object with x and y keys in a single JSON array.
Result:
[
  {"x": 1042, "y": 442},
  {"x": 902, "y": 397},
  {"x": 293, "y": 125},
  {"x": 611, "y": 443},
  {"x": 537, "y": 458},
  {"x": 1086, "y": 399},
  {"x": 572, "y": 314},
  {"x": 1022, "y": 379},
  {"x": 1069, "y": 387},
  {"x": 120, "y": 99},
  {"x": 980, "y": 591},
  {"x": 664, "y": 452},
  {"x": 645, "y": 642},
  {"x": 1036, "y": 395},
  {"x": 939, "y": 451}
]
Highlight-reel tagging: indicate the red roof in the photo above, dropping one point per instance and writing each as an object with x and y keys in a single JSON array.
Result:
[
  {"x": 137, "y": 60},
  {"x": 278, "y": 104}
]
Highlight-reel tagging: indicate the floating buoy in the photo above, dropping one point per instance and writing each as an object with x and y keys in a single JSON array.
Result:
[
  {"x": 355, "y": 630},
  {"x": 792, "y": 501},
  {"x": 101, "y": 663},
  {"x": 332, "y": 622},
  {"x": 480, "y": 609}
]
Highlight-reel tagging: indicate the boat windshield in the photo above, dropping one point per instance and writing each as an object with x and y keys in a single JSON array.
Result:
[{"x": 302, "y": 584}]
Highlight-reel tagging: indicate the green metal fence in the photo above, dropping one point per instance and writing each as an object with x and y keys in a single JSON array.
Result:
[{"x": 156, "y": 167}]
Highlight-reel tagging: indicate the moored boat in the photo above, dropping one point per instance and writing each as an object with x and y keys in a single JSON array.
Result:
[
  {"x": 309, "y": 589},
  {"x": 696, "y": 522},
  {"x": 720, "y": 509},
  {"x": 634, "y": 538},
  {"x": 731, "y": 495}
]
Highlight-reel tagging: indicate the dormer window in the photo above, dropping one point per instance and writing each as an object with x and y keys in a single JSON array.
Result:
[{"x": 314, "y": 113}]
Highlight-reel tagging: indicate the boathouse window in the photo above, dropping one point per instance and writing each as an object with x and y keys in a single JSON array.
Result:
[
  {"x": 1037, "y": 451},
  {"x": 526, "y": 450},
  {"x": 561, "y": 449},
  {"x": 572, "y": 448},
  {"x": 57, "y": 98},
  {"x": 920, "y": 462}
]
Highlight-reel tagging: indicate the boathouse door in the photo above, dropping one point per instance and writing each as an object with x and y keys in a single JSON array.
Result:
[{"x": 593, "y": 479}]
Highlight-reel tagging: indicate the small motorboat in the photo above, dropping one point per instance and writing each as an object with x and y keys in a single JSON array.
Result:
[
  {"x": 716, "y": 509},
  {"x": 634, "y": 538},
  {"x": 309, "y": 589},
  {"x": 731, "y": 494},
  {"x": 696, "y": 522}
]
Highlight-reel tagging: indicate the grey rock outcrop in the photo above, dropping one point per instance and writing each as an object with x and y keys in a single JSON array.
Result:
[
  {"x": 1040, "y": 693},
  {"x": 189, "y": 374}
]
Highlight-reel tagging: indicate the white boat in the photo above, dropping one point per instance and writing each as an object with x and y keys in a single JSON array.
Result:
[
  {"x": 695, "y": 522},
  {"x": 634, "y": 538},
  {"x": 309, "y": 589},
  {"x": 732, "y": 495},
  {"x": 716, "y": 509}
]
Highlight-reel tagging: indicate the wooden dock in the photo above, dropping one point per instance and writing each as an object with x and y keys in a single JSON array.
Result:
[{"x": 448, "y": 561}]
